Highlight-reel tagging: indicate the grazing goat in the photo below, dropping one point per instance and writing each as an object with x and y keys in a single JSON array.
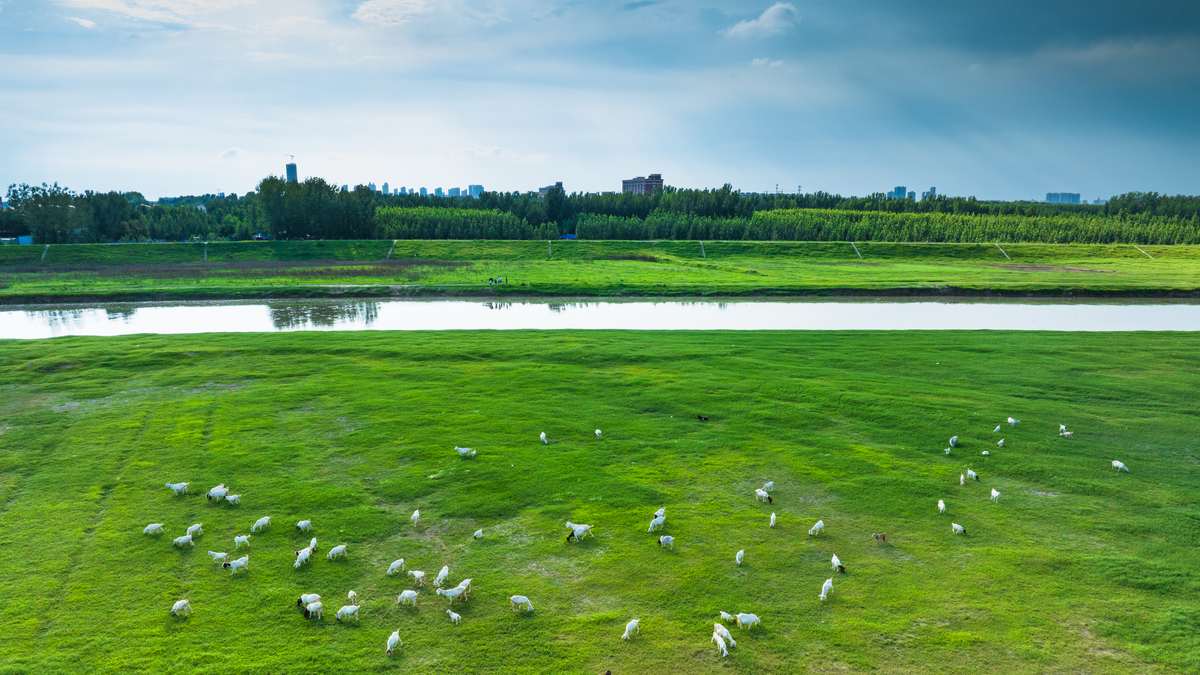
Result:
[
  {"x": 217, "y": 492},
  {"x": 1012, "y": 422},
  {"x": 726, "y": 616},
  {"x": 769, "y": 485},
  {"x": 597, "y": 434},
  {"x": 478, "y": 533},
  {"x": 348, "y": 611},
  {"x": 748, "y": 621},
  {"x": 544, "y": 441},
  {"x": 234, "y": 565},
  {"x": 338, "y": 551},
  {"x": 185, "y": 539},
  {"x": 456, "y": 619},
  {"x": 985, "y": 453},
  {"x": 520, "y": 601},
  {"x": 153, "y": 528},
  {"x": 1120, "y": 466},
  {"x": 465, "y": 585},
  {"x": 178, "y": 488},
  {"x": 302, "y": 557},
  {"x": 772, "y": 520},
  {"x": 941, "y": 506},
  {"x": 1067, "y": 434},
  {"x": 238, "y": 541},
  {"x": 740, "y": 554},
  {"x": 181, "y": 607},
  {"x": 724, "y": 632},
  {"x": 195, "y": 529},
  {"x": 961, "y": 480},
  {"x": 313, "y": 544},
  {"x": 702, "y": 418},
  {"x": 836, "y": 563},
  {"x": 1062, "y": 428},
  {"x": 816, "y": 529},
  {"x": 761, "y": 495},
  {"x": 442, "y": 576},
  {"x": 579, "y": 531},
  {"x": 304, "y": 526},
  {"x": 995, "y": 495},
  {"x": 881, "y": 537},
  {"x": 260, "y": 523},
  {"x": 1000, "y": 443},
  {"x": 947, "y": 451},
  {"x": 415, "y": 517},
  {"x": 234, "y": 499},
  {"x": 393, "y": 640},
  {"x": 826, "y": 588},
  {"x": 720, "y": 644},
  {"x": 314, "y": 609},
  {"x": 407, "y": 598},
  {"x": 396, "y": 566},
  {"x": 218, "y": 556},
  {"x": 450, "y": 593},
  {"x": 954, "y": 441},
  {"x": 667, "y": 540},
  {"x": 418, "y": 576},
  {"x": 657, "y": 523},
  {"x": 629, "y": 628},
  {"x": 352, "y": 597},
  {"x": 307, "y": 599},
  {"x": 955, "y": 528},
  {"x": 997, "y": 429},
  {"x": 972, "y": 475},
  {"x": 661, "y": 513},
  {"x": 465, "y": 453}
]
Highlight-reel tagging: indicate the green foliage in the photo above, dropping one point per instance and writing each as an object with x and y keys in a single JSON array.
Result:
[
  {"x": 429, "y": 223},
  {"x": 314, "y": 209}
]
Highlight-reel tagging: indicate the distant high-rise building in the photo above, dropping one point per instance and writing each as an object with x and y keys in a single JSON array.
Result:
[
  {"x": 1100, "y": 201},
  {"x": 371, "y": 187},
  {"x": 424, "y": 192},
  {"x": 291, "y": 173},
  {"x": 385, "y": 189},
  {"x": 452, "y": 193},
  {"x": 643, "y": 185},
  {"x": 345, "y": 188},
  {"x": 437, "y": 192},
  {"x": 543, "y": 191},
  {"x": 899, "y": 193},
  {"x": 929, "y": 195},
  {"x": 912, "y": 195},
  {"x": 1062, "y": 197},
  {"x": 475, "y": 190}
]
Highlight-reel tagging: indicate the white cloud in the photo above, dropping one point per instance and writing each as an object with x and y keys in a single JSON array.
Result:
[
  {"x": 390, "y": 12},
  {"x": 162, "y": 11},
  {"x": 776, "y": 19},
  {"x": 230, "y": 153},
  {"x": 82, "y": 22},
  {"x": 766, "y": 62}
]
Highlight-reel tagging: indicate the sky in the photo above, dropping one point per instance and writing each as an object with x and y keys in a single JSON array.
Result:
[{"x": 996, "y": 100}]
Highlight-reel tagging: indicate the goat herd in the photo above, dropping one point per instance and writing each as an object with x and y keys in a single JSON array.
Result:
[{"x": 311, "y": 606}]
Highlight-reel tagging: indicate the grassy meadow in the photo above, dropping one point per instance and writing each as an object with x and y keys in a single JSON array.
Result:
[
  {"x": 131, "y": 272},
  {"x": 1076, "y": 569}
]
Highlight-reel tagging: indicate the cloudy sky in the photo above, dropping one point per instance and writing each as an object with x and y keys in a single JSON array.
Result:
[{"x": 999, "y": 100}]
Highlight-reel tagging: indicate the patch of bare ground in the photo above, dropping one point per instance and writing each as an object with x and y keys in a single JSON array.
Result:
[{"x": 1048, "y": 268}]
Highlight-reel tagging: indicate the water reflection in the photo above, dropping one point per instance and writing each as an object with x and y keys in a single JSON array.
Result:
[{"x": 326, "y": 315}]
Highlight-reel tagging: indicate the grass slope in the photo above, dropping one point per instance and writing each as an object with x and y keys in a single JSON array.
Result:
[
  {"x": 373, "y": 268},
  {"x": 1077, "y": 569}
]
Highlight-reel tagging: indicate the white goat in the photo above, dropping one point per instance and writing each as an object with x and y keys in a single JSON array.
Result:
[
  {"x": 418, "y": 576},
  {"x": 947, "y": 451},
  {"x": 995, "y": 495},
  {"x": 826, "y": 588},
  {"x": 986, "y": 453},
  {"x": 238, "y": 541},
  {"x": 235, "y": 565},
  {"x": 961, "y": 480},
  {"x": 941, "y": 506},
  {"x": 456, "y": 619},
  {"x": 396, "y": 566},
  {"x": 836, "y": 563},
  {"x": 451, "y": 593},
  {"x": 314, "y": 609},
  {"x": 234, "y": 499},
  {"x": 442, "y": 576},
  {"x": 415, "y": 517},
  {"x": 185, "y": 539},
  {"x": 304, "y": 526},
  {"x": 661, "y": 513},
  {"x": 726, "y": 616},
  {"x": 153, "y": 528},
  {"x": 181, "y": 607},
  {"x": 954, "y": 441},
  {"x": 724, "y": 632},
  {"x": 516, "y": 601},
  {"x": 816, "y": 529},
  {"x": 348, "y": 611},
  {"x": 578, "y": 532},
  {"x": 629, "y": 628},
  {"x": 748, "y": 620},
  {"x": 393, "y": 640},
  {"x": 955, "y": 528},
  {"x": 1066, "y": 434},
  {"x": 407, "y": 598},
  {"x": 720, "y": 644},
  {"x": 772, "y": 520},
  {"x": 338, "y": 551},
  {"x": 478, "y": 533},
  {"x": 178, "y": 488},
  {"x": 597, "y": 434},
  {"x": 761, "y": 495},
  {"x": 218, "y": 556},
  {"x": 465, "y": 585},
  {"x": 544, "y": 441},
  {"x": 302, "y": 556},
  {"x": 740, "y": 554},
  {"x": 667, "y": 540},
  {"x": 352, "y": 597},
  {"x": 972, "y": 475},
  {"x": 1012, "y": 422},
  {"x": 260, "y": 523},
  {"x": 657, "y": 523},
  {"x": 195, "y": 529},
  {"x": 1062, "y": 428},
  {"x": 997, "y": 429},
  {"x": 217, "y": 492},
  {"x": 465, "y": 453},
  {"x": 1120, "y": 466},
  {"x": 769, "y": 485},
  {"x": 306, "y": 599},
  {"x": 313, "y": 544},
  {"x": 1000, "y": 443}
]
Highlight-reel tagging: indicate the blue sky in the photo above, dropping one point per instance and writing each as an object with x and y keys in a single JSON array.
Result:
[{"x": 1005, "y": 101}]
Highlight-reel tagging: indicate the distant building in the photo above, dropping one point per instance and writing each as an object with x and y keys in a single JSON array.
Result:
[
  {"x": 453, "y": 192},
  {"x": 899, "y": 193},
  {"x": 1062, "y": 197},
  {"x": 475, "y": 190},
  {"x": 424, "y": 192},
  {"x": 912, "y": 195},
  {"x": 371, "y": 187},
  {"x": 437, "y": 192},
  {"x": 1100, "y": 201},
  {"x": 929, "y": 195},
  {"x": 385, "y": 189},
  {"x": 402, "y": 190},
  {"x": 345, "y": 188},
  {"x": 643, "y": 185},
  {"x": 291, "y": 173},
  {"x": 542, "y": 192}
]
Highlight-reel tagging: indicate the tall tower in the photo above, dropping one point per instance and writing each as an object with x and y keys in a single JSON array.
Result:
[{"x": 291, "y": 171}]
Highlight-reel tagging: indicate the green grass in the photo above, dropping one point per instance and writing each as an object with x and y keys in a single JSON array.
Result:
[
  {"x": 337, "y": 268},
  {"x": 1077, "y": 569}
]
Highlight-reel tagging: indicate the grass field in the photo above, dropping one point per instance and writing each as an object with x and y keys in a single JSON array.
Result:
[
  {"x": 1076, "y": 569},
  {"x": 130, "y": 272}
]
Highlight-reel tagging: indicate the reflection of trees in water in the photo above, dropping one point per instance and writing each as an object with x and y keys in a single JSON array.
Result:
[
  {"x": 120, "y": 313},
  {"x": 497, "y": 305},
  {"x": 323, "y": 314},
  {"x": 61, "y": 319}
]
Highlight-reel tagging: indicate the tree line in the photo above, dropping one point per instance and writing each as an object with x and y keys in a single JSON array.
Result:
[{"x": 317, "y": 209}]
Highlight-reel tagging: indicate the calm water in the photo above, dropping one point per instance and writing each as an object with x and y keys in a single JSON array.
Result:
[{"x": 44, "y": 322}]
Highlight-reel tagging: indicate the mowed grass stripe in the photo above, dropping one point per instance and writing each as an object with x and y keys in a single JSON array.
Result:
[{"x": 1076, "y": 569}]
